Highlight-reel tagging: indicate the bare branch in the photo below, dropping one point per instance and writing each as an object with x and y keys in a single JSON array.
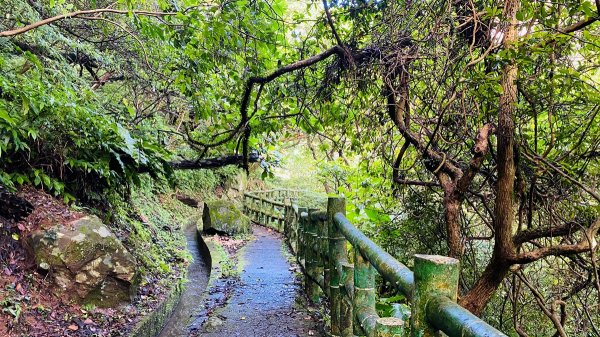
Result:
[
  {"x": 534, "y": 158},
  {"x": 578, "y": 25},
  {"x": 208, "y": 163},
  {"x": 79, "y": 13},
  {"x": 537, "y": 233},
  {"x": 587, "y": 243},
  {"x": 479, "y": 151},
  {"x": 540, "y": 301},
  {"x": 416, "y": 183}
]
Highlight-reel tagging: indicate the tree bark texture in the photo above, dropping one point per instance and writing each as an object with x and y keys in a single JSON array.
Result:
[{"x": 504, "y": 247}]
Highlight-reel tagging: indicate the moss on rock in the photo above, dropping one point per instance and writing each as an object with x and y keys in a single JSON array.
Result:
[
  {"x": 224, "y": 216},
  {"x": 87, "y": 262}
]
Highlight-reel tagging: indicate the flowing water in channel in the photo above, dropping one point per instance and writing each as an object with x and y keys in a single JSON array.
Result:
[{"x": 190, "y": 305}]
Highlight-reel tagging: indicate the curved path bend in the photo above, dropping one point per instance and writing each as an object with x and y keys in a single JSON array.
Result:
[{"x": 266, "y": 302}]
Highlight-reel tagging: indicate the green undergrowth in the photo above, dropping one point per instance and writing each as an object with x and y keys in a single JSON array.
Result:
[
  {"x": 201, "y": 184},
  {"x": 151, "y": 223},
  {"x": 151, "y": 226}
]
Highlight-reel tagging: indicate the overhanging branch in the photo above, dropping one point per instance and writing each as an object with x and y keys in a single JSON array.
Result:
[
  {"x": 262, "y": 80},
  {"x": 80, "y": 13},
  {"x": 209, "y": 163}
]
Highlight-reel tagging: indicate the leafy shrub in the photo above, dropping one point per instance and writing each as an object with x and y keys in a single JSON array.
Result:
[{"x": 55, "y": 134}]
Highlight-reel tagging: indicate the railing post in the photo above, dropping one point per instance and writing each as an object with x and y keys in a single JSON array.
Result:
[
  {"x": 261, "y": 216},
  {"x": 272, "y": 216},
  {"x": 346, "y": 299},
  {"x": 248, "y": 207},
  {"x": 266, "y": 213},
  {"x": 295, "y": 226},
  {"x": 300, "y": 238},
  {"x": 323, "y": 248},
  {"x": 365, "y": 313},
  {"x": 254, "y": 209},
  {"x": 434, "y": 276},
  {"x": 257, "y": 209},
  {"x": 280, "y": 221},
  {"x": 286, "y": 220},
  {"x": 337, "y": 255},
  {"x": 311, "y": 263},
  {"x": 364, "y": 294}
]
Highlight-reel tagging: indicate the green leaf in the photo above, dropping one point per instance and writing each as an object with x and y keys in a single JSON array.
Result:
[
  {"x": 6, "y": 117},
  {"x": 47, "y": 181}
]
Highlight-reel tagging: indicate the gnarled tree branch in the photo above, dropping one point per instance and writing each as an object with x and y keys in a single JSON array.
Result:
[{"x": 50, "y": 20}]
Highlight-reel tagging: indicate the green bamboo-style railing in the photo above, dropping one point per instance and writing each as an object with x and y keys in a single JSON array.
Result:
[{"x": 319, "y": 240}]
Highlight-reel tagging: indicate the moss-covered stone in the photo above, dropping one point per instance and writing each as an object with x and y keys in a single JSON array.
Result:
[
  {"x": 87, "y": 262},
  {"x": 224, "y": 216}
]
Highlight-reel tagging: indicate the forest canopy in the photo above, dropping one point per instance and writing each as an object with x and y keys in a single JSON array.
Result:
[{"x": 462, "y": 128}]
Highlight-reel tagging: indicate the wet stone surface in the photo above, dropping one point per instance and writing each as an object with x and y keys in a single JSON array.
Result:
[{"x": 267, "y": 300}]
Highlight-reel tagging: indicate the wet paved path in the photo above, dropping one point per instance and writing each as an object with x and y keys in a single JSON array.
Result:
[{"x": 265, "y": 302}]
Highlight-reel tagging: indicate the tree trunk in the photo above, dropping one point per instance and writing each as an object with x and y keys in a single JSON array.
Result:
[
  {"x": 485, "y": 287},
  {"x": 452, "y": 203},
  {"x": 452, "y": 215},
  {"x": 504, "y": 248}
]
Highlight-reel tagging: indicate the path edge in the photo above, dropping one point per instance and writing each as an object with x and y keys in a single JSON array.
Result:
[{"x": 154, "y": 322}]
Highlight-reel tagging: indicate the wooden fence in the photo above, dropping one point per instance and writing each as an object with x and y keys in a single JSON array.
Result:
[{"x": 319, "y": 239}]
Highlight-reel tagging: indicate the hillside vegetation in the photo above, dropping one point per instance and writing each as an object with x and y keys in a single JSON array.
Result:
[{"x": 462, "y": 128}]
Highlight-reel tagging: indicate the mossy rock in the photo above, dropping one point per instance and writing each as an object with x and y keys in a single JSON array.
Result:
[
  {"x": 87, "y": 262},
  {"x": 224, "y": 216}
]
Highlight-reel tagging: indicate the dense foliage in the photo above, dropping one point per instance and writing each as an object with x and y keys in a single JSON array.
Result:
[{"x": 465, "y": 128}]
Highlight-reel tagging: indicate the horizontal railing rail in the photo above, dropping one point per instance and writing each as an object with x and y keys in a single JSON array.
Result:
[{"x": 319, "y": 240}]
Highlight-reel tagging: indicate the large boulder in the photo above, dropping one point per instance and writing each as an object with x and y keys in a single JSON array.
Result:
[
  {"x": 224, "y": 216},
  {"x": 87, "y": 262}
]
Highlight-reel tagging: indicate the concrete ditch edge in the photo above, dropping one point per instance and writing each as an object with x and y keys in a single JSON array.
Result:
[{"x": 152, "y": 324}]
